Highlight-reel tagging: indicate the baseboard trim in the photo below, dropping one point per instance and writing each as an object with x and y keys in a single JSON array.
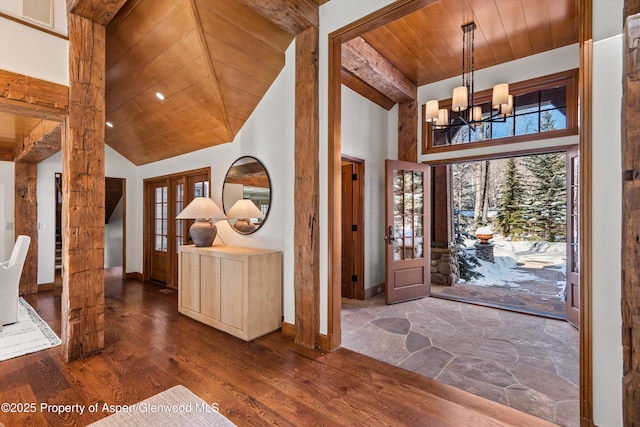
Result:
[
  {"x": 133, "y": 276},
  {"x": 46, "y": 287},
  {"x": 373, "y": 291},
  {"x": 288, "y": 329}
]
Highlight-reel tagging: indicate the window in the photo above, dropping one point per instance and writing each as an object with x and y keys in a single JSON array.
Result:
[{"x": 543, "y": 108}]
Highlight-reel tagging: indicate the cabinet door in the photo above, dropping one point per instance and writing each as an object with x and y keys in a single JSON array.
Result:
[
  {"x": 232, "y": 292},
  {"x": 210, "y": 287},
  {"x": 190, "y": 281}
]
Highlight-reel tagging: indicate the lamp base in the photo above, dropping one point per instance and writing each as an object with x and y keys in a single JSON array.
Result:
[
  {"x": 243, "y": 225},
  {"x": 203, "y": 233}
]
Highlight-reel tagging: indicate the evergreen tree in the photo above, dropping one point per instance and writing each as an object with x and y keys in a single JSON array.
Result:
[
  {"x": 547, "y": 210},
  {"x": 510, "y": 216}
]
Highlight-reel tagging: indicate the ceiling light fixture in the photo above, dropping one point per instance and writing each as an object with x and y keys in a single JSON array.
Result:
[
  {"x": 462, "y": 100},
  {"x": 109, "y": 124},
  {"x": 160, "y": 96}
]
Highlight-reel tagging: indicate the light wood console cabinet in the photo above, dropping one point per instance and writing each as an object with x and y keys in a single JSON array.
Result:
[{"x": 234, "y": 289}]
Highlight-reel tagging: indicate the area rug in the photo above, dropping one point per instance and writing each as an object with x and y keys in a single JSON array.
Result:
[
  {"x": 28, "y": 335},
  {"x": 177, "y": 406}
]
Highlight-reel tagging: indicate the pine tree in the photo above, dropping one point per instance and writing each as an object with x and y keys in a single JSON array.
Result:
[
  {"x": 547, "y": 210},
  {"x": 510, "y": 216}
]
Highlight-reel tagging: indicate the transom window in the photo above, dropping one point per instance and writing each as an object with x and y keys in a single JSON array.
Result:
[{"x": 543, "y": 108}]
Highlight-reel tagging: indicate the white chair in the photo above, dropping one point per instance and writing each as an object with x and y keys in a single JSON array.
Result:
[{"x": 10, "y": 272}]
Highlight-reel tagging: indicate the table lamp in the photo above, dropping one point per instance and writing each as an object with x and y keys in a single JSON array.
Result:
[{"x": 203, "y": 231}]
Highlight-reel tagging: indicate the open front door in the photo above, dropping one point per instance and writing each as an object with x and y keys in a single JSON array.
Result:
[
  {"x": 572, "y": 290},
  {"x": 407, "y": 237}
]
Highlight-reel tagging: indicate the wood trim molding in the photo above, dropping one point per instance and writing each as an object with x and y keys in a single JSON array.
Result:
[
  {"x": 585, "y": 91},
  {"x": 392, "y": 12},
  {"x": 133, "y": 275},
  {"x": 288, "y": 329},
  {"x": 34, "y": 26}
]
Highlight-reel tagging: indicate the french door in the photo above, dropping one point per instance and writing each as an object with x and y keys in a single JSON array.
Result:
[
  {"x": 408, "y": 246},
  {"x": 165, "y": 198}
]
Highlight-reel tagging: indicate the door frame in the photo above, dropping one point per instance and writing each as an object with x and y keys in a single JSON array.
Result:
[
  {"x": 397, "y": 9},
  {"x": 358, "y": 217},
  {"x": 147, "y": 225}
]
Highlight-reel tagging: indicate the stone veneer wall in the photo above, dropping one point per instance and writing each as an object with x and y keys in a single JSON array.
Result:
[{"x": 444, "y": 266}]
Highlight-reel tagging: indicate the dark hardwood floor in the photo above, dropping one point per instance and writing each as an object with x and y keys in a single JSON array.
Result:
[{"x": 149, "y": 348}]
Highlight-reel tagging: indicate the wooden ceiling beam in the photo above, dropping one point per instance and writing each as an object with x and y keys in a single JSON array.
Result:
[
  {"x": 358, "y": 86},
  {"x": 44, "y": 140},
  {"x": 6, "y": 155},
  {"x": 31, "y": 97},
  {"x": 293, "y": 16},
  {"x": 98, "y": 11},
  {"x": 364, "y": 62}
]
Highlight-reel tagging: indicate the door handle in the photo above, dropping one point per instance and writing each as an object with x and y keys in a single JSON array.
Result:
[{"x": 391, "y": 238}]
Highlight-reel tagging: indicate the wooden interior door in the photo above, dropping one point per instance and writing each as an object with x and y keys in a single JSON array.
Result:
[
  {"x": 160, "y": 239},
  {"x": 572, "y": 290},
  {"x": 348, "y": 273},
  {"x": 408, "y": 246}
]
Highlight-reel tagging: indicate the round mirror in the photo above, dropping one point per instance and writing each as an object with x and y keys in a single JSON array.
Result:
[{"x": 246, "y": 195}]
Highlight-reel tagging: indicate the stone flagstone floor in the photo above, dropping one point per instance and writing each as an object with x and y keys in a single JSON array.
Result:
[{"x": 527, "y": 362}]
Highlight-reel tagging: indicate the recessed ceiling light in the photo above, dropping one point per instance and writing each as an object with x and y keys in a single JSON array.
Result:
[
  {"x": 159, "y": 96},
  {"x": 109, "y": 124}
]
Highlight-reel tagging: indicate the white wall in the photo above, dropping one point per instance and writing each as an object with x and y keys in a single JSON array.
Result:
[
  {"x": 47, "y": 57},
  {"x": 268, "y": 136},
  {"x": 7, "y": 191},
  {"x": 365, "y": 130},
  {"x": 607, "y": 232},
  {"x": 113, "y": 234}
]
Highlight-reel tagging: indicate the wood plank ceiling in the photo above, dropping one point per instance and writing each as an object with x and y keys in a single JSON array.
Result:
[
  {"x": 426, "y": 46},
  {"x": 213, "y": 60}
]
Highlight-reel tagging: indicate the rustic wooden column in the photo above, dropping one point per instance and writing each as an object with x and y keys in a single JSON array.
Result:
[
  {"x": 307, "y": 191},
  {"x": 26, "y": 221},
  {"x": 408, "y": 131},
  {"x": 83, "y": 188},
  {"x": 631, "y": 215}
]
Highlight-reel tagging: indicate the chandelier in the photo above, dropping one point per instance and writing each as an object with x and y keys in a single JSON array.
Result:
[{"x": 462, "y": 100}]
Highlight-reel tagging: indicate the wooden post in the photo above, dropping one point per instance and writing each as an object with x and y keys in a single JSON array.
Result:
[
  {"x": 441, "y": 219},
  {"x": 26, "y": 221},
  {"x": 408, "y": 131},
  {"x": 631, "y": 215},
  {"x": 307, "y": 191},
  {"x": 83, "y": 188}
]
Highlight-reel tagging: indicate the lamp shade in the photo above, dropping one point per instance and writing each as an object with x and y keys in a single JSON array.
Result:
[
  {"x": 431, "y": 111},
  {"x": 201, "y": 208},
  {"x": 244, "y": 208},
  {"x": 443, "y": 117},
  {"x": 460, "y": 100},
  {"x": 500, "y": 95}
]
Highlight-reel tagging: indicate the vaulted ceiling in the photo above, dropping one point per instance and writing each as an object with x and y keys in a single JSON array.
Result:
[{"x": 213, "y": 60}]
